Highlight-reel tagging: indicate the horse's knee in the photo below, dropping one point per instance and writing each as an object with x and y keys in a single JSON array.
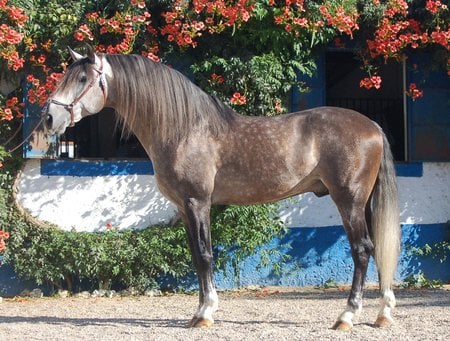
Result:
[
  {"x": 196, "y": 206},
  {"x": 362, "y": 249},
  {"x": 205, "y": 257}
]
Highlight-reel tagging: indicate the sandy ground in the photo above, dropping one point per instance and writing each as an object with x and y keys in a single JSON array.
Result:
[{"x": 264, "y": 314}]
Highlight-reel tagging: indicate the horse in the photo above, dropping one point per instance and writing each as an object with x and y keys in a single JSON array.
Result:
[{"x": 204, "y": 154}]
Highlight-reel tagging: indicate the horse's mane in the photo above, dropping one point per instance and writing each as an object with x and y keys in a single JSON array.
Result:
[{"x": 152, "y": 92}]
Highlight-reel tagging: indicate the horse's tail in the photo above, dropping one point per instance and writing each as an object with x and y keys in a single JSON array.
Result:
[{"x": 386, "y": 220}]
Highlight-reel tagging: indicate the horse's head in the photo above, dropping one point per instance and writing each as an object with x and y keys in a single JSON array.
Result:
[{"x": 82, "y": 92}]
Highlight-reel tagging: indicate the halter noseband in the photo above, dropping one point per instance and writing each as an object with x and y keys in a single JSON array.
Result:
[{"x": 69, "y": 107}]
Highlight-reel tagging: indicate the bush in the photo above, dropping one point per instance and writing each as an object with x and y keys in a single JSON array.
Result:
[
  {"x": 438, "y": 250},
  {"x": 241, "y": 231},
  {"x": 136, "y": 259},
  {"x": 129, "y": 258},
  {"x": 420, "y": 281}
]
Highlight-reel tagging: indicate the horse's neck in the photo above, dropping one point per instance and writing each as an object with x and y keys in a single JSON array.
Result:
[{"x": 155, "y": 146}]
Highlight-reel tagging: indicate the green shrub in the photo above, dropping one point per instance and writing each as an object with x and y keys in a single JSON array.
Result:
[
  {"x": 241, "y": 231},
  {"x": 420, "y": 281},
  {"x": 132, "y": 258},
  {"x": 439, "y": 250},
  {"x": 129, "y": 258}
]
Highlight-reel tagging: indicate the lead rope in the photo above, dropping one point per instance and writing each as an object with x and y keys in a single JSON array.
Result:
[
  {"x": 12, "y": 150},
  {"x": 8, "y": 141}
]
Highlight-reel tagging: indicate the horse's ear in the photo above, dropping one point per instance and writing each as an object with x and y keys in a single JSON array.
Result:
[
  {"x": 75, "y": 55},
  {"x": 90, "y": 53}
]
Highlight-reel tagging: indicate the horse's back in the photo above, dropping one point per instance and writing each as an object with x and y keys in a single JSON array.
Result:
[{"x": 335, "y": 120}]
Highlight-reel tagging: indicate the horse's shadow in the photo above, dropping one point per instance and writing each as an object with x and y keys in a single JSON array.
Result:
[
  {"x": 86, "y": 321},
  {"x": 115, "y": 322}
]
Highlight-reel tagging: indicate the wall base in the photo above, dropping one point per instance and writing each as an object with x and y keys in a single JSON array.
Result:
[{"x": 317, "y": 256}]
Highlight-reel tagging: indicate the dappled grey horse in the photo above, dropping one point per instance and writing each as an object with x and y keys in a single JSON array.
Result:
[{"x": 204, "y": 154}]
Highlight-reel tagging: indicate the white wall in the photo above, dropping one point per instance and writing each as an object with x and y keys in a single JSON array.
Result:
[
  {"x": 422, "y": 200},
  {"x": 90, "y": 203},
  {"x": 133, "y": 201}
]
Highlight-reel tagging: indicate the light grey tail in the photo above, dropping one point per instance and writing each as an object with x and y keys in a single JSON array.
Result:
[{"x": 386, "y": 220}]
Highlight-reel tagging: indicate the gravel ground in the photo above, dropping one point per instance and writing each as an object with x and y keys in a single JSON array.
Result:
[{"x": 265, "y": 314}]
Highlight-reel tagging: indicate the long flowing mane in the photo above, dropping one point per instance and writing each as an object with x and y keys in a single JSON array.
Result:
[{"x": 174, "y": 106}]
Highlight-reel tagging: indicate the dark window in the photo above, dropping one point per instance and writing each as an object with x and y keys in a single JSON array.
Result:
[
  {"x": 98, "y": 136},
  {"x": 385, "y": 105}
]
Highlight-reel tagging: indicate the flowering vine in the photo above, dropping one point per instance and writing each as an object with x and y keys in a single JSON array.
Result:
[
  {"x": 371, "y": 82},
  {"x": 13, "y": 19},
  {"x": 187, "y": 21},
  {"x": 397, "y": 32},
  {"x": 143, "y": 27},
  {"x": 345, "y": 21},
  {"x": 414, "y": 92},
  {"x": 4, "y": 236},
  {"x": 238, "y": 99},
  {"x": 118, "y": 33}
]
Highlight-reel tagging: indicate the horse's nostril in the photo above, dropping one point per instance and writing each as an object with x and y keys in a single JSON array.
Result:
[{"x": 48, "y": 121}]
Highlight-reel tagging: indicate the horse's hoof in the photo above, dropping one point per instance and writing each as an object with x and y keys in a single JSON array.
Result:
[
  {"x": 383, "y": 322},
  {"x": 198, "y": 322},
  {"x": 342, "y": 326}
]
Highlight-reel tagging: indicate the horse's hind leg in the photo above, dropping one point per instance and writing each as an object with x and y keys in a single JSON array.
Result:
[
  {"x": 196, "y": 219},
  {"x": 354, "y": 220}
]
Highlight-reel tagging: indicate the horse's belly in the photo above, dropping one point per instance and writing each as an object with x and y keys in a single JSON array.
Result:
[{"x": 254, "y": 188}]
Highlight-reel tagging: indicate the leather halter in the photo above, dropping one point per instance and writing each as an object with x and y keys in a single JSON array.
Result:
[{"x": 69, "y": 107}]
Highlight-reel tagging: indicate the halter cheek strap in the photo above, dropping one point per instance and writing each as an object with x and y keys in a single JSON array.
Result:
[{"x": 69, "y": 107}]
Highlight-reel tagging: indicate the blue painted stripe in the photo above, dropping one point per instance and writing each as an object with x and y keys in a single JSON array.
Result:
[
  {"x": 413, "y": 169},
  {"x": 145, "y": 167},
  {"x": 95, "y": 168},
  {"x": 318, "y": 254}
]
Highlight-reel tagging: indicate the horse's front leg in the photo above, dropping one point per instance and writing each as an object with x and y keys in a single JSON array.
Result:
[{"x": 197, "y": 222}]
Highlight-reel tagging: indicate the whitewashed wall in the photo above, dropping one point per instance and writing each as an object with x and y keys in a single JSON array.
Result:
[
  {"x": 422, "y": 200},
  {"x": 133, "y": 201},
  {"x": 90, "y": 203}
]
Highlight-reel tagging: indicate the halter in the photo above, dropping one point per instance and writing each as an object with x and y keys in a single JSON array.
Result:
[{"x": 69, "y": 107}]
